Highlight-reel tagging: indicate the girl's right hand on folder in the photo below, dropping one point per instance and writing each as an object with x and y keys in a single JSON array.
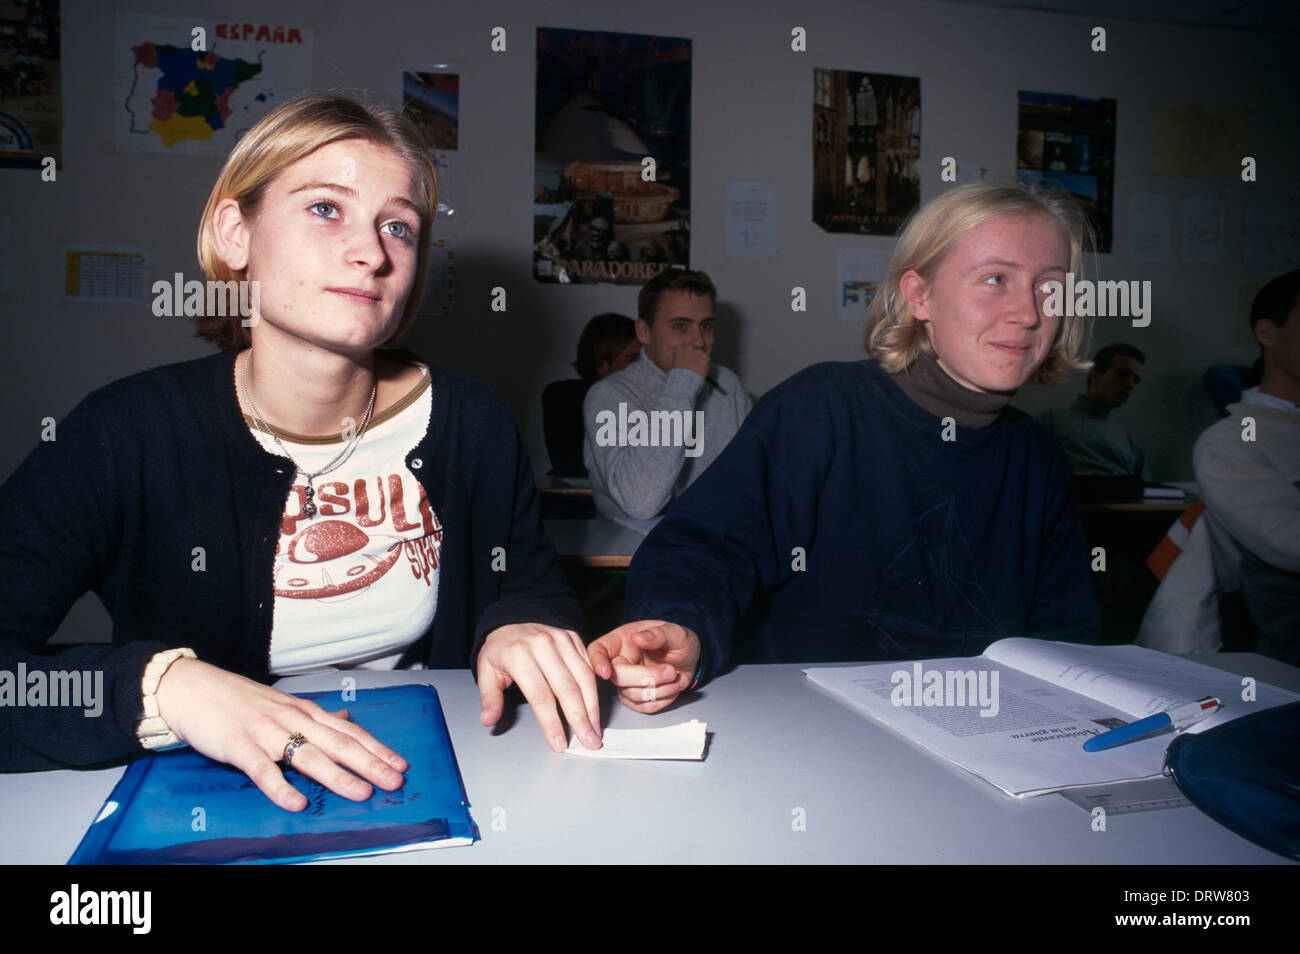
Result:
[{"x": 246, "y": 724}]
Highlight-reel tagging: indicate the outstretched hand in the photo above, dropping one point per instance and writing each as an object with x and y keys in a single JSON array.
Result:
[{"x": 650, "y": 662}]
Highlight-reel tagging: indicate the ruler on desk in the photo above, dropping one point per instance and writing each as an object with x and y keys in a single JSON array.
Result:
[{"x": 1124, "y": 798}]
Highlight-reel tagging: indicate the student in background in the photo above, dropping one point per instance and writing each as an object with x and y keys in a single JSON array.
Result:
[
  {"x": 1095, "y": 443},
  {"x": 689, "y": 407},
  {"x": 607, "y": 344},
  {"x": 1248, "y": 470},
  {"x": 279, "y": 507},
  {"x": 890, "y": 508}
]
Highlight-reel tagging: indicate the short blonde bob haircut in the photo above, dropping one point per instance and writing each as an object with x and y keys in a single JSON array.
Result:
[
  {"x": 279, "y": 139},
  {"x": 895, "y": 338}
]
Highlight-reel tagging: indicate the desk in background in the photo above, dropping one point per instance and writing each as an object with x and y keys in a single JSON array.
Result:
[
  {"x": 779, "y": 750},
  {"x": 565, "y": 487},
  {"x": 595, "y": 554},
  {"x": 1128, "y": 532},
  {"x": 566, "y": 498},
  {"x": 594, "y": 542},
  {"x": 1174, "y": 507}
]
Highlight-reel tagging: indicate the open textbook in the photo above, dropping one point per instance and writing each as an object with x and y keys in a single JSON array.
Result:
[{"x": 1018, "y": 715}]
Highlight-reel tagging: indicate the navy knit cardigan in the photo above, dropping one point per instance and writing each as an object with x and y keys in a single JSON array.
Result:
[{"x": 148, "y": 468}]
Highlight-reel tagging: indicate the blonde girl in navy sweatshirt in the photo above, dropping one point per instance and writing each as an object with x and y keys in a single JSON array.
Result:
[{"x": 895, "y": 507}]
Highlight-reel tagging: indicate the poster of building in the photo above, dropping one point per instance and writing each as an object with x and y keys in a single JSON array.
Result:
[
  {"x": 866, "y": 150},
  {"x": 31, "y": 114},
  {"x": 612, "y": 186},
  {"x": 1068, "y": 142}
]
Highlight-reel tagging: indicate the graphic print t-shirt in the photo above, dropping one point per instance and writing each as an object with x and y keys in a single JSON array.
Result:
[{"x": 356, "y": 583}]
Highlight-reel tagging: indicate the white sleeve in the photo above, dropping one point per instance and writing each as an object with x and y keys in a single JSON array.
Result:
[
  {"x": 640, "y": 480},
  {"x": 1255, "y": 502}
]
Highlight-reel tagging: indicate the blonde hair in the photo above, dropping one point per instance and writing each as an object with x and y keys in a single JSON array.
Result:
[
  {"x": 894, "y": 336},
  {"x": 279, "y": 139}
]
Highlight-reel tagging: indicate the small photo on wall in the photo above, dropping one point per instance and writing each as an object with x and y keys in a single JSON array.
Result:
[
  {"x": 433, "y": 100},
  {"x": 1068, "y": 142}
]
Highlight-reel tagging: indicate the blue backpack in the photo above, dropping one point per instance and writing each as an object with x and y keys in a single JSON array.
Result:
[{"x": 1245, "y": 774}]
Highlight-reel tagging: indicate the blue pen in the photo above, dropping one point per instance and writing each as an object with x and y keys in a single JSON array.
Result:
[{"x": 1180, "y": 717}]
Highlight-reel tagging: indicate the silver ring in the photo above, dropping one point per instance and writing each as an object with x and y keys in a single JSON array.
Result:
[{"x": 291, "y": 747}]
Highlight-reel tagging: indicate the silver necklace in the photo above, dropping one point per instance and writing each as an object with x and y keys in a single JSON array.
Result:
[{"x": 309, "y": 508}]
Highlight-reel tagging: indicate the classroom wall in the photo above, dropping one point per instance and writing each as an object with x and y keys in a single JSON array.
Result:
[{"x": 752, "y": 119}]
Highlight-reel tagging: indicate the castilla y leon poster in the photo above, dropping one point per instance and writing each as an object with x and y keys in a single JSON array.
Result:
[
  {"x": 611, "y": 199},
  {"x": 866, "y": 150}
]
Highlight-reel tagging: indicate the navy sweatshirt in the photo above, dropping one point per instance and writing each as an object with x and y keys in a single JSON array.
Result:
[
  {"x": 150, "y": 467},
  {"x": 839, "y": 525}
]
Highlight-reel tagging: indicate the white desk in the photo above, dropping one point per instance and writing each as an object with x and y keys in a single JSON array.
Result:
[{"x": 777, "y": 744}]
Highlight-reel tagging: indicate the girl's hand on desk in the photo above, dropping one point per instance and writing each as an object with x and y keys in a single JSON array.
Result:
[
  {"x": 246, "y": 724},
  {"x": 650, "y": 661},
  {"x": 547, "y": 664}
]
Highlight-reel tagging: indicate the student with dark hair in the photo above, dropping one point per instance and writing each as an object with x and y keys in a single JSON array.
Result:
[
  {"x": 607, "y": 344},
  {"x": 279, "y": 507},
  {"x": 890, "y": 508},
  {"x": 1248, "y": 470},
  {"x": 654, "y": 427},
  {"x": 1095, "y": 443}
]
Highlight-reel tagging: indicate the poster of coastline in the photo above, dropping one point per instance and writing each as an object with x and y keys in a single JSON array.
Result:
[
  {"x": 611, "y": 194},
  {"x": 31, "y": 104},
  {"x": 192, "y": 86},
  {"x": 1068, "y": 142},
  {"x": 866, "y": 151}
]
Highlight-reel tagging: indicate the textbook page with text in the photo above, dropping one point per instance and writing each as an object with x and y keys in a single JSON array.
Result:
[{"x": 1018, "y": 715}]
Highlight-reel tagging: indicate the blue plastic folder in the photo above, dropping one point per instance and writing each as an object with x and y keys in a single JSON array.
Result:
[{"x": 181, "y": 807}]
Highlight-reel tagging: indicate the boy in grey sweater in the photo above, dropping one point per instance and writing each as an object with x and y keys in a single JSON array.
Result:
[{"x": 655, "y": 426}]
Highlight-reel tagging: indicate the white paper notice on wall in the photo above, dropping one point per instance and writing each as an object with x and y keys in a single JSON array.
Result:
[
  {"x": 1149, "y": 229},
  {"x": 859, "y": 273},
  {"x": 440, "y": 284},
  {"x": 970, "y": 171},
  {"x": 1270, "y": 235},
  {"x": 1203, "y": 230},
  {"x": 751, "y": 219}
]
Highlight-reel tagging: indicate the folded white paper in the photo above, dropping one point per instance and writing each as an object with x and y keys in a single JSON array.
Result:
[{"x": 682, "y": 741}]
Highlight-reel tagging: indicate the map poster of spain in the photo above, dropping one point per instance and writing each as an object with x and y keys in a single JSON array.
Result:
[{"x": 192, "y": 86}]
